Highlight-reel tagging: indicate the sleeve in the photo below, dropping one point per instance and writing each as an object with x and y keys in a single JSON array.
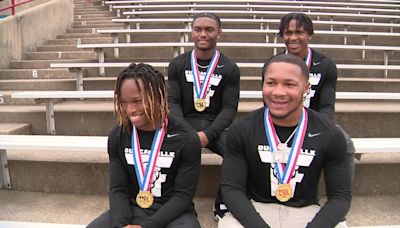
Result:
[
  {"x": 230, "y": 100},
  {"x": 338, "y": 173},
  {"x": 233, "y": 182},
  {"x": 185, "y": 186},
  {"x": 328, "y": 91},
  {"x": 121, "y": 212},
  {"x": 174, "y": 91}
]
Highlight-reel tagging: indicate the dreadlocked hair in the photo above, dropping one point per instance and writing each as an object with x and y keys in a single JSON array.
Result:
[
  {"x": 302, "y": 20},
  {"x": 154, "y": 94}
]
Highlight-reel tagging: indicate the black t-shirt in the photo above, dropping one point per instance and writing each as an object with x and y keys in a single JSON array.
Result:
[
  {"x": 175, "y": 177},
  {"x": 222, "y": 97},
  {"x": 247, "y": 172}
]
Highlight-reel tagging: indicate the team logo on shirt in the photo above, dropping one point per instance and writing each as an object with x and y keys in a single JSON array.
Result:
[
  {"x": 214, "y": 81},
  {"x": 164, "y": 160},
  {"x": 314, "y": 79},
  {"x": 305, "y": 158}
]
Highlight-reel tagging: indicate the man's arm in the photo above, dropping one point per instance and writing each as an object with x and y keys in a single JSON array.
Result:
[
  {"x": 328, "y": 91},
  {"x": 174, "y": 92},
  {"x": 233, "y": 182},
  {"x": 121, "y": 211},
  {"x": 230, "y": 100},
  {"x": 338, "y": 172},
  {"x": 185, "y": 185}
]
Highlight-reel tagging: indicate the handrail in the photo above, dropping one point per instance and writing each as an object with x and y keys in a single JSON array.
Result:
[{"x": 13, "y": 5}]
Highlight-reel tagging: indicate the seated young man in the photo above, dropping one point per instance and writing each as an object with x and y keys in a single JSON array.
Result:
[
  {"x": 276, "y": 154},
  {"x": 154, "y": 157}
]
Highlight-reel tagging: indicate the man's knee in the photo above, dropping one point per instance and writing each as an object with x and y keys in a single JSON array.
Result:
[
  {"x": 187, "y": 220},
  {"x": 103, "y": 221}
]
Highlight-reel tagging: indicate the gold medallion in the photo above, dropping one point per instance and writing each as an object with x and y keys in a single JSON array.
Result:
[
  {"x": 284, "y": 192},
  {"x": 144, "y": 199},
  {"x": 200, "y": 105}
]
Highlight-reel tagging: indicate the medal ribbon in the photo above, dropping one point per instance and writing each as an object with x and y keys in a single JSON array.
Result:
[
  {"x": 285, "y": 172},
  {"x": 308, "y": 57},
  {"x": 201, "y": 87},
  {"x": 145, "y": 177}
]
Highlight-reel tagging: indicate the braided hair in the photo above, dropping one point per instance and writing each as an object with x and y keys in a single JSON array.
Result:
[
  {"x": 154, "y": 94},
  {"x": 302, "y": 20}
]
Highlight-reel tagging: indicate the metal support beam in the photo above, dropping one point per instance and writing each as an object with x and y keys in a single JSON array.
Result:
[
  {"x": 4, "y": 173},
  {"x": 51, "y": 125}
]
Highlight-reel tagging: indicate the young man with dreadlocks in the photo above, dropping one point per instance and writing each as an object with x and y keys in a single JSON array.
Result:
[
  {"x": 276, "y": 155},
  {"x": 154, "y": 157},
  {"x": 204, "y": 88}
]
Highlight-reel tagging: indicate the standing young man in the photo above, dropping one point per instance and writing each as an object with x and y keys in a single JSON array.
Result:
[
  {"x": 276, "y": 154},
  {"x": 154, "y": 157},
  {"x": 204, "y": 88}
]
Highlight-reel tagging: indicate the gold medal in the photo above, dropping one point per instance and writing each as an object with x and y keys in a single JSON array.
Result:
[
  {"x": 144, "y": 199},
  {"x": 284, "y": 192},
  {"x": 200, "y": 105}
]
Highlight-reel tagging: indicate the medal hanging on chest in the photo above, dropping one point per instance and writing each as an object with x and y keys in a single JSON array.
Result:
[
  {"x": 285, "y": 167},
  {"x": 201, "y": 86},
  {"x": 145, "y": 174}
]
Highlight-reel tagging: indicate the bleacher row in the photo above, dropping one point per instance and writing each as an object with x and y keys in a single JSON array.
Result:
[{"x": 74, "y": 75}]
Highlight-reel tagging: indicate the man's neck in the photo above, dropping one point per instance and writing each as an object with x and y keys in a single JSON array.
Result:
[
  {"x": 205, "y": 55},
  {"x": 289, "y": 121}
]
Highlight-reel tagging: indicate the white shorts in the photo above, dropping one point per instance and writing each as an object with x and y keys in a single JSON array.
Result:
[{"x": 277, "y": 215}]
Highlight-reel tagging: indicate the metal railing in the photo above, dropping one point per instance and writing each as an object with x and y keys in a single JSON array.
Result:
[{"x": 13, "y": 5}]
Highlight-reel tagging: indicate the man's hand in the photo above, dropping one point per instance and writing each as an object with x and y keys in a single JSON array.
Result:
[{"x": 203, "y": 138}]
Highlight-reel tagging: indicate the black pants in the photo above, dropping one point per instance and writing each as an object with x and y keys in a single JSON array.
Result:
[{"x": 186, "y": 220}]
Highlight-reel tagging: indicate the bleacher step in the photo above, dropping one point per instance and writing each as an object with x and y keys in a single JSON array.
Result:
[
  {"x": 42, "y": 64},
  {"x": 14, "y": 74},
  {"x": 359, "y": 119},
  {"x": 74, "y": 41},
  {"x": 61, "y": 55},
  {"x": 15, "y": 129},
  {"x": 82, "y": 209},
  {"x": 83, "y": 172},
  {"x": 81, "y": 35}
]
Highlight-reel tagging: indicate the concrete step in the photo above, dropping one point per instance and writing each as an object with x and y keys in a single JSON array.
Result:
[
  {"x": 100, "y": 25},
  {"x": 359, "y": 119},
  {"x": 75, "y": 41},
  {"x": 93, "y": 17},
  {"x": 61, "y": 55},
  {"x": 41, "y": 64},
  {"x": 93, "y": 11},
  {"x": 82, "y": 209},
  {"x": 15, "y": 129},
  {"x": 81, "y": 172},
  {"x": 81, "y": 35},
  {"x": 90, "y": 30},
  {"x": 38, "y": 84},
  {"x": 94, "y": 23},
  {"x": 14, "y": 74},
  {"x": 53, "y": 48}
]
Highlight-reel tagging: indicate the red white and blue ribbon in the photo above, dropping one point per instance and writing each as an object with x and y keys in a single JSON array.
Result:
[
  {"x": 285, "y": 172},
  {"x": 145, "y": 176},
  {"x": 201, "y": 87}
]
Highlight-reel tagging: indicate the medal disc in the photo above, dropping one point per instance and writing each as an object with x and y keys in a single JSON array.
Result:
[
  {"x": 144, "y": 199},
  {"x": 200, "y": 105},
  {"x": 284, "y": 192}
]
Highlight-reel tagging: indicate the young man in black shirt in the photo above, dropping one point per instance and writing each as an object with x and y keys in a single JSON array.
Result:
[
  {"x": 276, "y": 154},
  {"x": 154, "y": 157},
  {"x": 296, "y": 30},
  {"x": 204, "y": 88}
]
